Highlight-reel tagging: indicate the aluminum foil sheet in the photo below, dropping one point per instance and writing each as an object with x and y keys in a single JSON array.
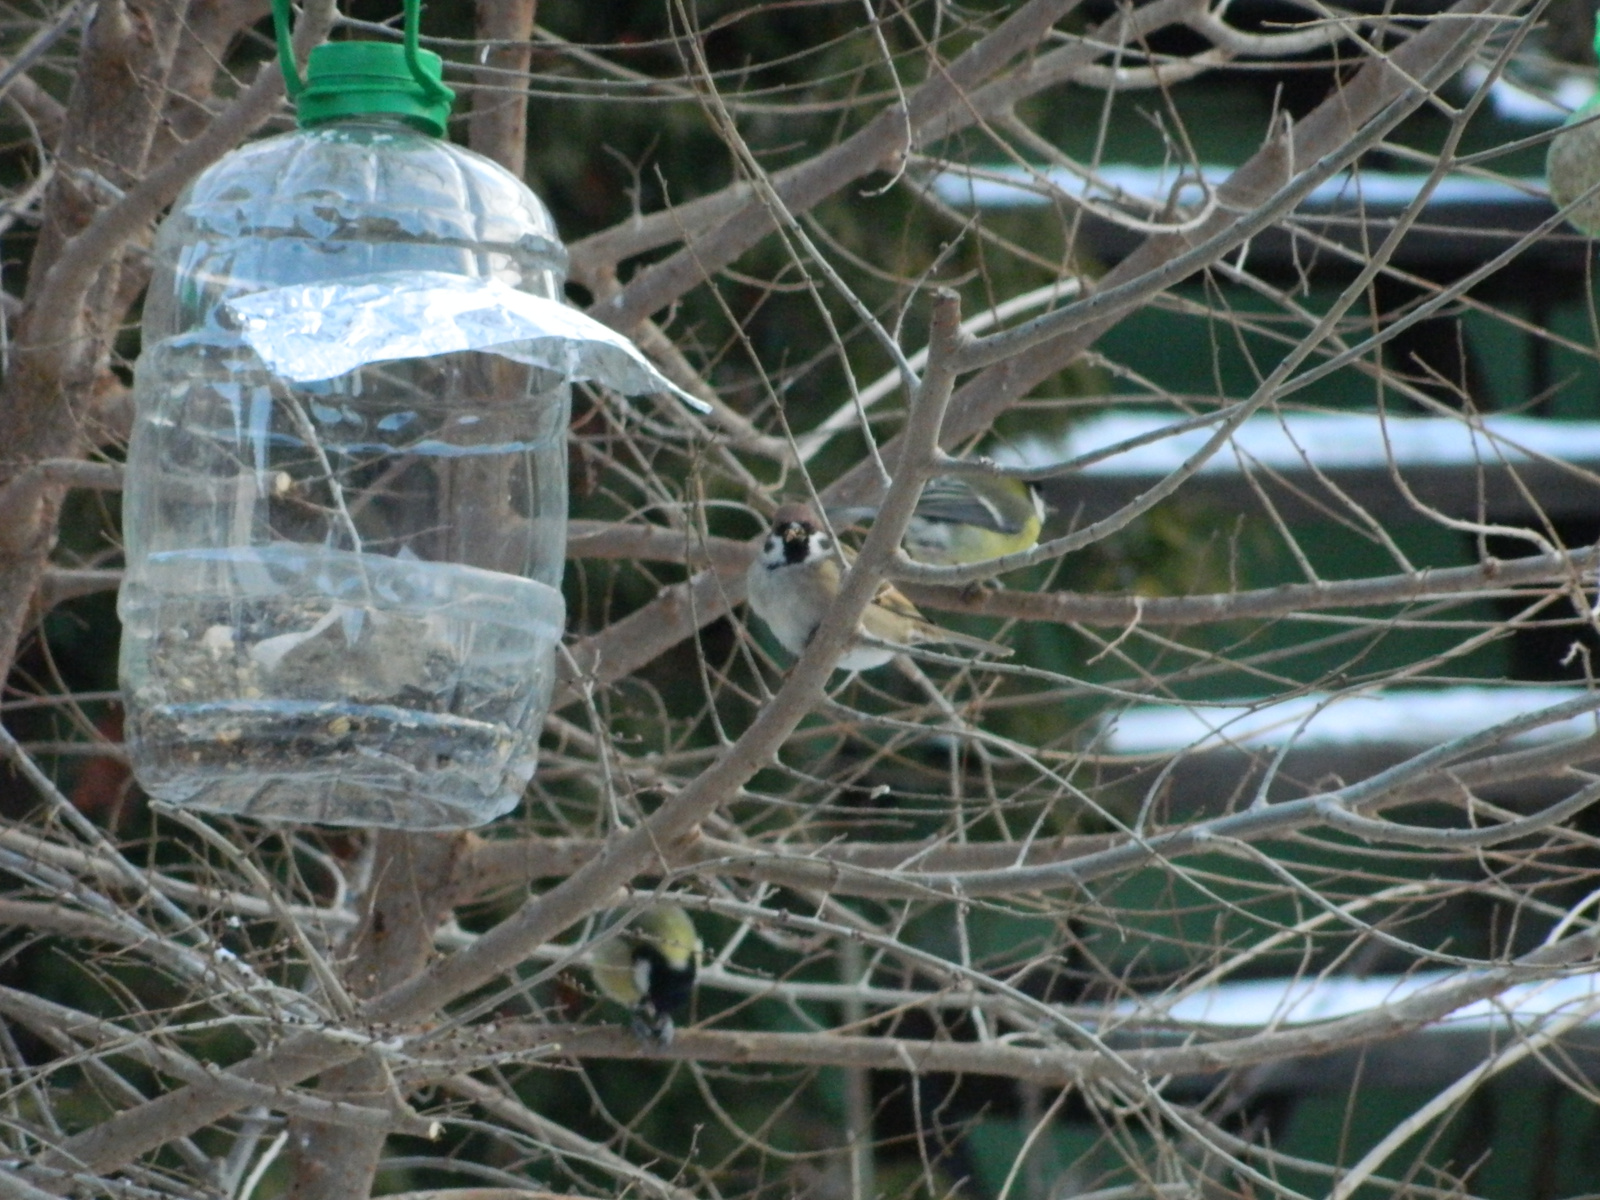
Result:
[{"x": 322, "y": 330}]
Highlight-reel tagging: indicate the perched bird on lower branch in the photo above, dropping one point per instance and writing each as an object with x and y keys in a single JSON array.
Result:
[
  {"x": 650, "y": 966},
  {"x": 794, "y": 580}
]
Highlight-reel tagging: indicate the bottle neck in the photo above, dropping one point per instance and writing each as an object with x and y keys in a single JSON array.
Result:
[{"x": 383, "y": 120}]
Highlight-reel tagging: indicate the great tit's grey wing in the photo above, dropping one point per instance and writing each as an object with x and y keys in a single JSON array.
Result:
[{"x": 950, "y": 498}]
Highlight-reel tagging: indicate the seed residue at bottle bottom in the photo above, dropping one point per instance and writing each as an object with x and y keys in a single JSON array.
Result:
[
  {"x": 315, "y": 685},
  {"x": 332, "y": 762}
]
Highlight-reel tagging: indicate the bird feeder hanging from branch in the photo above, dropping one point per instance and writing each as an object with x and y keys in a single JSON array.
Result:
[{"x": 346, "y": 500}]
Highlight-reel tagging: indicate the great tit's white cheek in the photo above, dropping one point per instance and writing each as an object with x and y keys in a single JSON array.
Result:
[{"x": 641, "y": 975}]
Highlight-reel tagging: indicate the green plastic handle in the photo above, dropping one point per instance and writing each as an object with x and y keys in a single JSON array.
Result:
[
  {"x": 435, "y": 91},
  {"x": 283, "y": 19}
]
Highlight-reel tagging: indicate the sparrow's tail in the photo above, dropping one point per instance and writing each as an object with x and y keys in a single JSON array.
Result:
[{"x": 951, "y": 637}]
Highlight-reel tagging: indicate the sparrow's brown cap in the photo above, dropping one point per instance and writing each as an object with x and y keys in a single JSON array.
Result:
[{"x": 794, "y": 514}]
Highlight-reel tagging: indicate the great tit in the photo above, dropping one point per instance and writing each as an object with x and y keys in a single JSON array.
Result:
[
  {"x": 649, "y": 966},
  {"x": 963, "y": 519},
  {"x": 794, "y": 580}
]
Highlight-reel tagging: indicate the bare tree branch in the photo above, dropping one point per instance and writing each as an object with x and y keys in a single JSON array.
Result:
[{"x": 1270, "y": 730}]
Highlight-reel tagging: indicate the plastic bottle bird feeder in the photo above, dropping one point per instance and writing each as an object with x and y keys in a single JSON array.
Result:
[
  {"x": 1572, "y": 167},
  {"x": 346, "y": 502}
]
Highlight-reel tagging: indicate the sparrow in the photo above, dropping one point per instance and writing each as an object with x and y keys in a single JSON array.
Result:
[
  {"x": 649, "y": 967},
  {"x": 794, "y": 580},
  {"x": 963, "y": 519}
]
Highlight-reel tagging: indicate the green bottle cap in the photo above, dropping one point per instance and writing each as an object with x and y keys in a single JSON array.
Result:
[{"x": 356, "y": 79}]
